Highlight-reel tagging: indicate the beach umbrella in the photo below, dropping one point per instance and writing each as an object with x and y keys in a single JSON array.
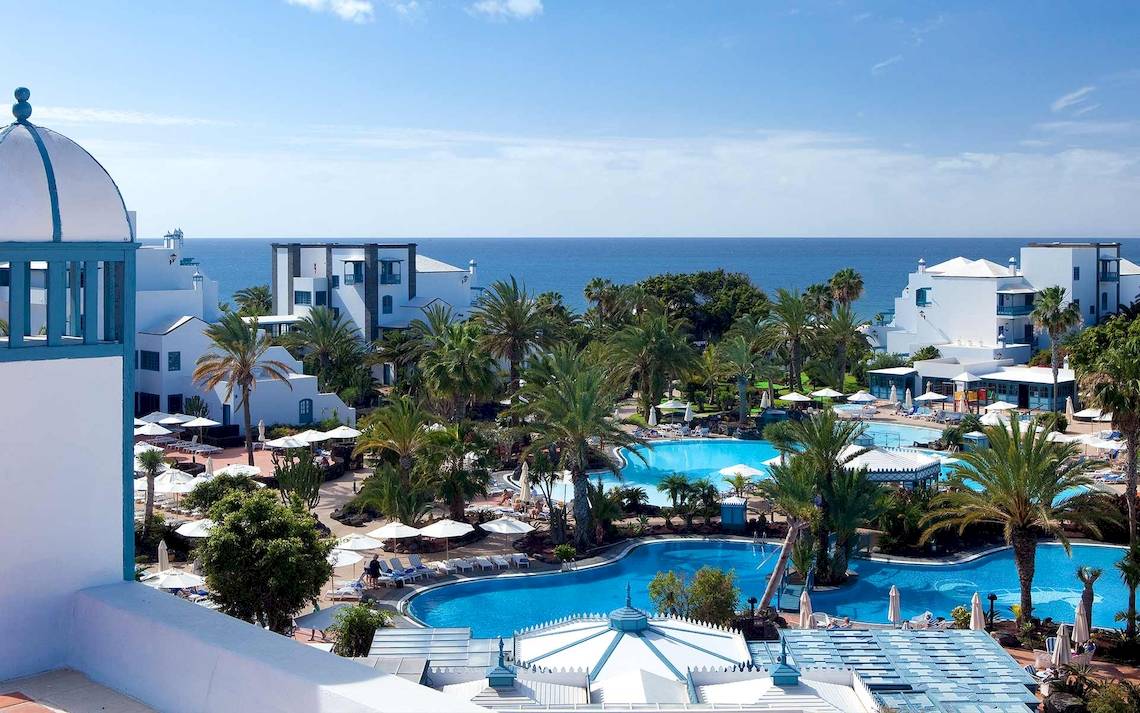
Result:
[
  {"x": 144, "y": 447},
  {"x": 1089, "y": 413},
  {"x": 343, "y": 558},
  {"x": 200, "y": 423},
  {"x": 446, "y": 529},
  {"x": 894, "y": 397},
  {"x": 152, "y": 429},
  {"x": 861, "y": 397},
  {"x": 1063, "y": 651},
  {"x": 261, "y": 430},
  {"x": 765, "y": 400},
  {"x": 358, "y": 542},
  {"x": 507, "y": 525},
  {"x": 163, "y": 556},
  {"x": 209, "y": 472},
  {"x": 805, "y": 609},
  {"x": 741, "y": 469},
  {"x": 652, "y": 415},
  {"x": 242, "y": 469},
  {"x": 196, "y": 529},
  {"x": 894, "y": 606},
  {"x": 174, "y": 420},
  {"x": 1081, "y": 625},
  {"x": 672, "y": 405},
  {"x": 310, "y": 436},
  {"x": 1058, "y": 437},
  {"x": 688, "y": 413},
  {"x": 796, "y": 398},
  {"x": 139, "y": 422},
  {"x": 343, "y": 433},
  {"x": 993, "y": 419},
  {"x": 524, "y": 483},
  {"x": 1104, "y": 418},
  {"x": 908, "y": 402},
  {"x": 394, "y": 530},
  {"x": 1000, "y": 406},
  {"x": 827, "y": 393},
  {"x": 169, "y": 481},
  {"x": 1069, "y": 414},
  {"x": 287, "y": 442},
  {"x": 175, "y": 579},
  {"x": 931, "y": 397},
  {"x": 977, "y": 616},
  {"x": 155, "y": 416}
]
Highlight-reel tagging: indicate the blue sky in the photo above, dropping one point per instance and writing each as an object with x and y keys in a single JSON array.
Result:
[{"x": 610, "y": 117}]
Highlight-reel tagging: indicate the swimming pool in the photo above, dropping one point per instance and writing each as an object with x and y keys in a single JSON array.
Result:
[{"x": 499, "y": 606}]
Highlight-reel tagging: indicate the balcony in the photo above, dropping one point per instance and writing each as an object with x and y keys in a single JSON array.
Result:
[
  {"x": 389, "y": 279},
  {"x": 187, "y": 261},
  {"x": 884, "y": 318},
  {"x": 1108, "y": 277},
  {"x": 1008, "y": 310}
]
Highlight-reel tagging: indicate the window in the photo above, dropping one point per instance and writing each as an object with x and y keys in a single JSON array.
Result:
[
  {"x": 389, "y": 272},
  {"x": 322, "y": 298},
  {"x": 174, "y": 361},
  {"x": 306, "y": 411},
  {"x": 302, "y": 297},
  {"x": 5, "y": 277},
  {"x": 174, "y": 403},
  {"x": 386, "y": 304},
  {"x": 145, "y": 403},
  {"x": 353, "y": 272},
  {"x": 922, "y": 297},
  {"x": 1076, "y": 273},
  {"x": 1092, "y": 309},
  {"x": 1103, "y": 301},
  {"x": 148, "y": 361},
  {"x": 336, "y": 312},
  {"x": 335, "y": 282}
]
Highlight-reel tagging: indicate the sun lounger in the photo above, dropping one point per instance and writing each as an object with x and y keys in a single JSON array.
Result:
[
  {"x": 386, "y": 571},
  {"x": 406, "y": 572},
  {"x": 418, "y": 564},
  {"x": 443, "y": 566},
  {"x": 520, "y": 560},
  {"x": 483, "y": 563},
  {"x": 1041, "y": 659},
  {"x": 500, "y": 562},
  {"x": 347, "y": 590}
]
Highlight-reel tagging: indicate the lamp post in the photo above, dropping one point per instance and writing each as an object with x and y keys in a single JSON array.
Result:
[{"x": 993, "y": 599}]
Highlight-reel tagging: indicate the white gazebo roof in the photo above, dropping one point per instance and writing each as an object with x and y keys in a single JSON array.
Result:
[{"x": 894, "y": 465}]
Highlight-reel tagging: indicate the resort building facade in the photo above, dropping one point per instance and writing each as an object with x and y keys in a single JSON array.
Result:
[
  {"x": 978, "y": 310},
  {"x": 976, "y": 383},
  {"x": 376, "y": 286}
]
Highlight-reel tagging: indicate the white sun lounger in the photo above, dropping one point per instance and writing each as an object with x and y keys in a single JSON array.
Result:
[
  {"x": 520, "y": 560},
  {"x": 483, "y": 563},
  {"x": 443, "y": 566},
  {"x": 463, "y": 565},
  {"x": 500, "y": 562}
]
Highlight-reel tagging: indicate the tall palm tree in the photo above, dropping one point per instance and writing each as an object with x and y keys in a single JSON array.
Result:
[
  {"x": 567, "y": 404},
  {"x": 460, "y": 368},
  {"x": 1113, "y": 385},
  {"x": 513, "y": 323},
  {"x": 425, "y": 333},
  {"x": 254, "y": 301},
  {"x": 791, "y": 486},
  {"x": 740, "y": 484},
  {"x": 675, "y": 486},
  {"x": 605, "y": 507},
  {"x": 853, "y": 500},
  {"x": 399, "y": 427},
  {"x": 708, "y": 369},
  {"x": 819, "y": 299},
  {"x": 322, "y": 334},
  {"x": 1058, "y": 318},
  {"x": 151, "y": 463},
  {"x": 457, "y": 458},
  {"x": 1088, "y": 577},
  {"x": 843, "y": 329},
  {"x": 1129, "y": 568},
  {"x": 1019, "y": 479},
  {"x": 652, "y": 351},
  {"x": 739, "y": 359},
  {"x": 237, "y": 359},
  {"x": 707, "y": 497},
  {"x": 789, "y": 325},
  {"x": 846, "y": 286}
]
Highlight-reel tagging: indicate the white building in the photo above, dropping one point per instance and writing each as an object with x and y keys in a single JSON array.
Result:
[
  {"x": 68, "y": 599},
  {"x": 979, "y": 310},
  {"x": 977, "y": 383},
  {"x": 376, "y": 286}
]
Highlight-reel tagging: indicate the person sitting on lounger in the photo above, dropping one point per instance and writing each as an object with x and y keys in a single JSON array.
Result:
[{"x": 372, "y": 571}]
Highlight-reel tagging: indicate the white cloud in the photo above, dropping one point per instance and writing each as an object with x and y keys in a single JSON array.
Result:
[
  {"x": 92, "y": 115},
  {"x": 919, "y": 32},
  {"x": 1072, "y": 98},
  {"x": 878, "y": 68},
  {"x": 357, "y": 11},
  {"x": 507, "y": 9},
  {"x": 1089, "y": 128},
  {"x": 1086, "y": 109}
]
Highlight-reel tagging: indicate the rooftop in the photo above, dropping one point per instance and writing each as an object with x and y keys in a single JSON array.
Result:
[
  {"x": 965, "y": 267},
  {"x": 1031, "y": 375}
]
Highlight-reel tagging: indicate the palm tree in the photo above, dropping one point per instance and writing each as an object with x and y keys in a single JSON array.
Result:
[
  {"x": 151, "y": 463},
  {"x": 1019, "y": 480},
  {"x": 604, "y": 508},
  {"x": 322, "y": 334},
  {"x": 791, "y": 486},
  {"x": 739, "y": 483},
  {"x": 513, "y": 324},
  {"x": 675, "y": 486},
  {"x": 1055, "y": 316},
  {"x": 846, "y": 286},
  {"x": 652, "y": 351},
  {"x": 1129, "y": 568},
  {"x": 3, "y": 328},
  {"x": 237, "y": 359},
  {"x": 740, "y": 360},
  {"x": 254, "y": 301},
  {"x": 1088, "y": 577},
  {"x": 634, "y": 498},
  {"x": 706, "y": 496},
  {"x": 399, "y": 428},
  {"x": 819, "y": 299},
  {"x": 789, "y": 325},
  {"x": 425, "y": 334},
  {"x": 1113, "y": 385},
  {"x": 459, "y": 368},
  {"x": 457, "y": 457},
  {"x": 854, "y": 501},
  {"x": 567, "y": 404},
  {"x": 708, "y": 370},
  {"x": 843, "y": 329}
]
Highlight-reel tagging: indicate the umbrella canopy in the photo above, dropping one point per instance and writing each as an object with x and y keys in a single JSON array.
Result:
[
  {"x": 977, "y": 616},
  {"x": 358, "y": 542},
  {"x": 908, "y": 400},
  {"x": 242, "y": 469},
  {"x": 653, "y": 416},
  {"x": 287, "y": 442},
  {"x": 524, "y": 483},
  {"x": 741, "y": 469},
  {"x": 196, "y": 528},
  {"x": 344, "y": 558},
  {"x": 152, "y": 429},
  {"x": 209, "y": 472},
  {"x": 144, "y": 447},
  {"x": 765, "y": 400},
  {"x": 175, "y": 419},
  {"x": 155, "y": 416},
  {"x": 966, "y": 377},
  {"x": 1057, "y": 437},
  {"x": 175, "y": 579},
  {"x": 861, "y": 397},
  {"x": 673, "y": 405},
  {"x": 1087, "y": 413},
  {"x": 311, "y": 436},
  {"x": 163, "y": 556},
  {"x": 931, "y": 396},
  {"x": 200, "y": 422},
  {"x": 169, "y": 481},
  {"x": 394, "y": 530},
  {"x": 507, "y": 525},
  {"x": 894, "y": 396},
  {"x": 139, "y": 422},
  {"x": 796, "y": 398},
  {"x": 994, "y": 418},
  {"x": 1081, "y": 626},
  {"x": 894, "y": 606},
  {"x": 1063, "y": 651},
  {"x": 1099, "y": 443},
  {"x": 688, "y": 413},
  {"x": 446, "y": 528},
  {"x": 827, "y": 393},
  {"x": 805, "y": 610},
  {"x": 1069, "y": 414},
  {"x": 261, "y": 430},
  {"x": 1001, "y": 406},
  {"x": 343, "y": 432}
]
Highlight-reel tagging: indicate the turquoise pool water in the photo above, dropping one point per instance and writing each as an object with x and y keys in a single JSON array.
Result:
[{"x": 499, "y": 606}]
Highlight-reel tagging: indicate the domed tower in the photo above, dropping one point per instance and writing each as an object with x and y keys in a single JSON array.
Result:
[{"x": 67, "y": 255}]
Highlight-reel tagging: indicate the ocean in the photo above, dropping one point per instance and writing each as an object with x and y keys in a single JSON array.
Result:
[{"x": 565, "y": 265}]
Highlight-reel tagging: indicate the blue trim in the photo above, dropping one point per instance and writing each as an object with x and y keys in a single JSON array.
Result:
[
  {"x": 690, "y": 645},
  {"x": 57, "y": 303},
  {"x": 658, "y": 654},
  {"x": 597, "y": 668},
  {"x": 128, "y": 410},
  {"x": 53, "y": 193},
  {"x": 17, "y": 306},
  {"x": 70, "y": 349},
  {"x": 548, "y": 653}
]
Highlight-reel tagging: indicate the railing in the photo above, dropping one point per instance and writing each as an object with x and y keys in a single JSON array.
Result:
[
  {"x": 885, "y": 317},
  {"x": 187, "y": 261},
  {"x": 1008, "y": 310},
  {"x": 1109, "y": 277},
  {"x": 923, "y": 302},
  {"x": 389, "y": 279}
]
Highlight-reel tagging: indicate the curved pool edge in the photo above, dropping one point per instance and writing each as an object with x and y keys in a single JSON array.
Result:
[{"x": 402, "y": 605}]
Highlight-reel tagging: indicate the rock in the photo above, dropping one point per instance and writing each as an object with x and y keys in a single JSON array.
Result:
[
  {"x": 1008, "y": 641},
  {"x": 1064, "y": 703}
]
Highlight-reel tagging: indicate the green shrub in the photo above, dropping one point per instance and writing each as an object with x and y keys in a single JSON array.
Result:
[
  {"x": 961, "y": 617},
  {"x": 1042, "y": 358},
  {"x": 1053, "y": 421},
  {"x": 565, "y": 553},
  {"x": 355, "y": 626},
  {"x": 927, "y": 352},
  {"x": 1115, "y": 697},
  {"x": 711, "y": 596},
  {"x": 635, "y": 419},
  {"x": 208, "y": 492}
]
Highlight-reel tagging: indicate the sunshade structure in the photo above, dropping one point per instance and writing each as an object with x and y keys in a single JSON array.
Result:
[
  {"x": 446, "y": 529},
  {"x": 343, "y": 433},
  {"x": 931, "y": 397},
  {"x": 524, "y": 483},
  {"x": 394, "y": 530},
  {"x": 344, "y": 558},
  {"x": 894, "y": 395},
  {"x": 196, "y": 529},
  {"x": 688, "y": 413},
  {"x": 174, "y": 579},
  {"x": 1101, "y": 444},
  {"x": 170, "y": 481},
  {"x": 1087, "y": 414},
  {"x": 1057, "y": 437},
  {"x": 908, "y": 400},
  {"x": 977, "y": 616},
  {"x": 163, "y": 556},
  {"x": 1000, "y": 406},
  {"x": 741, "y": 469},
  {"x": 894, "y": 606},
  {"x": 261, "y": 430},
  {"x": 653, "y": 416},
  {"x": 144, "y": 447},
  {"x": 139, "y": 422},
  {"x": 200, "y": 422},
  {"x": 893, "y": 465},
  {"x": 994, "y": 418},
  {"x": 358, "y": 543},
  {"x": 861, "y": 397},
  {"x": 966, "y": 378},
  {"x": 248, "y": 471},
  {"x": 507, "y": 525},
  {"x": 1063, "y": 651},
  {"x": 1070, "y": 415},
  {"x": 672, "y": 405},
  {"x": 175, "y": 419},
  {"x": 151, "y": 430},
  {"x": 805, "y": 609},
  {"x": 826, "y": 393},
  {"x": 154, "y": 416},
  {"x": 310, "y": 436},
  {"x": 287, "y": 442},
  {"x": 1081, "y": 625},
  {"x": 765, "y": 400}
]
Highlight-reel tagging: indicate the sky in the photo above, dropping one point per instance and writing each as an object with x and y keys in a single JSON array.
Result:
[{"x": 423, "y": 118}]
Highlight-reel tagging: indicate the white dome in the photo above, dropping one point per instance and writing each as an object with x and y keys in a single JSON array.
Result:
[{"x": 37, "y": 163}]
